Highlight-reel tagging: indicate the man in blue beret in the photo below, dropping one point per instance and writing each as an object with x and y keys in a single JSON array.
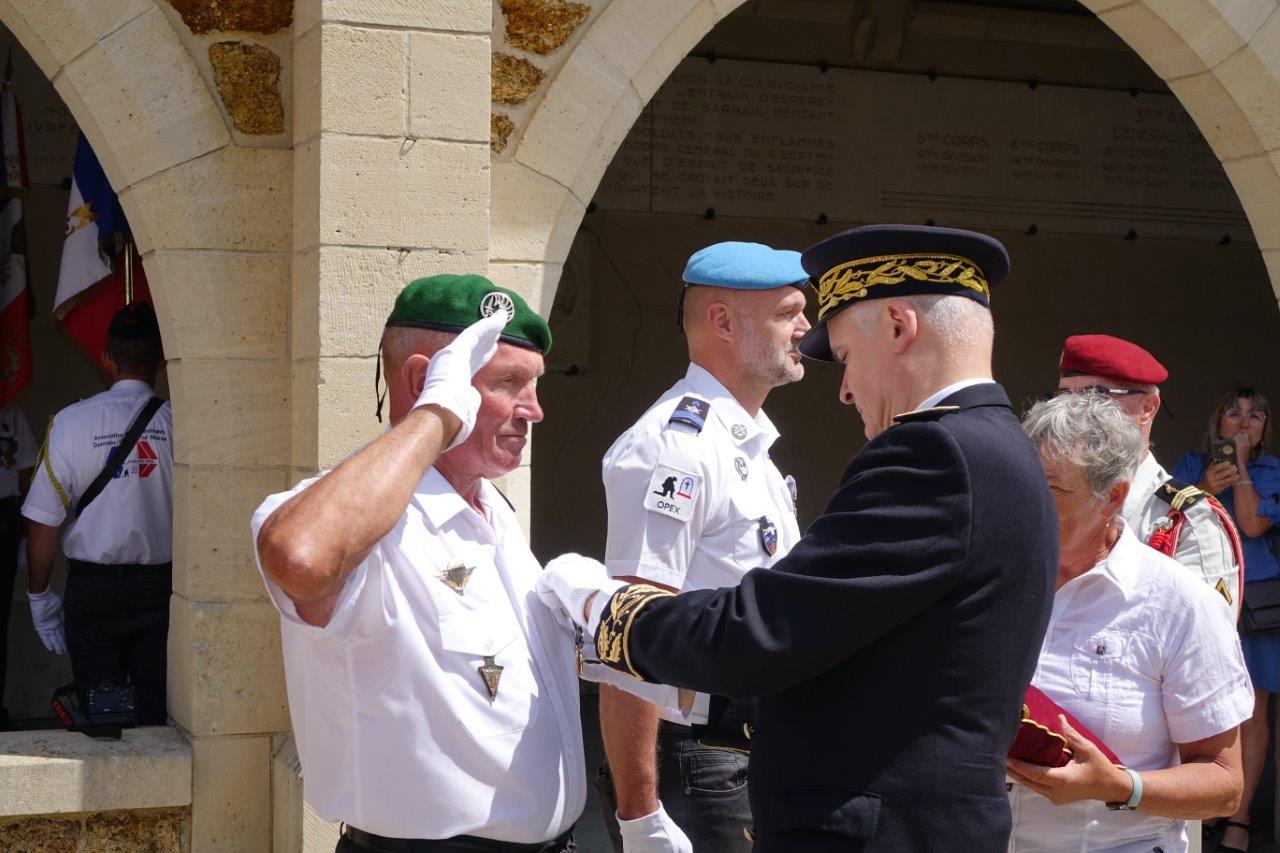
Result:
[
  {"x": 694, "y": 501},
  {"x": 434, "y": 709},
  {"x": 890, "y": 650}
]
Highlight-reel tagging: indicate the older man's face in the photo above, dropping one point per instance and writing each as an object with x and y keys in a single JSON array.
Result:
[
  {"x": 865, "y": 354},
  {"x": 1082, "y": 518},
  {"x": 508, "y": 408}
]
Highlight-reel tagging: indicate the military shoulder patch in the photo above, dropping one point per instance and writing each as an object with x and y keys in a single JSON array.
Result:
[
  {"x": 691, "y": 411},
  {"x": 925, "y": 414},
  {"x": 672, "y": 492},
  {"x": 1179, "y": 495}
]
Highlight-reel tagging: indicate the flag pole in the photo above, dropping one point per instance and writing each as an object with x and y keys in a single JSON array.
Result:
[{"x": 128, "y": 272}]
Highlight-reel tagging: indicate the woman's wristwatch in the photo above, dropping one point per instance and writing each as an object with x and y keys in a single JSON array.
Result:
[{"x": 1134, "y": 798}]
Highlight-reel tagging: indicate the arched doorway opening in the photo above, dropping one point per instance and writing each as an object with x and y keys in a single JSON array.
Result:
[{"x": 1086, "y": 143}]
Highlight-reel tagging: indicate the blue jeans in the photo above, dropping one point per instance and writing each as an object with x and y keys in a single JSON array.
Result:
[{"x": 704, "y": 790}]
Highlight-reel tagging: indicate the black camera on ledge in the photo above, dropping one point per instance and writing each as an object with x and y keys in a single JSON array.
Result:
[{"x": 99, "y": 708}]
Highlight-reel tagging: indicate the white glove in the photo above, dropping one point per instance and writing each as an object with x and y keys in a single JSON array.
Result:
[
  {"x": 568, "y": 583},
  {"x": 448, "y": 381},
  {"x": 46, "y": 613},
  {"x": 655, "y": 833}
]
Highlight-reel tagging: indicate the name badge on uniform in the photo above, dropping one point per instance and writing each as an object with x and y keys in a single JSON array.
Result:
[
  {"x": 768, "y": 535},
  {"x": 672, "y": 492}
]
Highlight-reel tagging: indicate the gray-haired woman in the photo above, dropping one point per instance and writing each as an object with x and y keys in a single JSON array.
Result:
[{"x": 1138, "y": 649}]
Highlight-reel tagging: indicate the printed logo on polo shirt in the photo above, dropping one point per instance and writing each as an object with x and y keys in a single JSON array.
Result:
[{"x": 142, "y": 464}]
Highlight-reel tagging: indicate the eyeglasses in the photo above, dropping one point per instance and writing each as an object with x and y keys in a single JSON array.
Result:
[
  {"x": 1102, "y": 389},
  {"x": 1253, "y": 416}
]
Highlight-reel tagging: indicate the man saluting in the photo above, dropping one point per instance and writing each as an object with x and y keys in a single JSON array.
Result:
[{"x": 891, "y": 648}]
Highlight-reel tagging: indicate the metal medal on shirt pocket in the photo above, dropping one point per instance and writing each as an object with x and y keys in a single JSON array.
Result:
[
  {"x": 741, "y": 465},
  {"x": 487, "y": 685},
  {"x": 672, "y": 492},
  {"x": 456, "y": 575},
  {"x": 768, "y": 535},
  {"x": 1094, "y": 657}
]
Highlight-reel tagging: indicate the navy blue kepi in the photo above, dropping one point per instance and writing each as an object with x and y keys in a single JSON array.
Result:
[{"x": 881, "y": 261}]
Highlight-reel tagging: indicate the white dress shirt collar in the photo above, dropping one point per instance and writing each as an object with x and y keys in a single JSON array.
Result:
[
  {"x": 938, "y": 396},
  {"x": 727, "y": 408}
]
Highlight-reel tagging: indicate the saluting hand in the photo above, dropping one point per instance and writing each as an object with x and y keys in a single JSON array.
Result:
[
  {"x": 448, "y": 379},
  {"x": 1089, "y": 776}
]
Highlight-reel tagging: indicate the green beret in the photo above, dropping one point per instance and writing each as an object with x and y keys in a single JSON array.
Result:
[{"x": 450, "y": 303}]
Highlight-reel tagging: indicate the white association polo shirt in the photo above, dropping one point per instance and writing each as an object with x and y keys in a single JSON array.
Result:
[
  {"x": 1145, "y": 655},
  {"x": 739, "y": 515},
  {"x": 131, "y": 521},
  {"x": 396, "y": 730}
]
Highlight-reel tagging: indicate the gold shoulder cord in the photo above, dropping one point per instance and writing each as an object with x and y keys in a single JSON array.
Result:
[{"x": 43, "y": 458}]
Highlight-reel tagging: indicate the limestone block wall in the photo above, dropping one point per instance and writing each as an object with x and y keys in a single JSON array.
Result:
[
  {"x": 391, "y": 166},
  {"x": 205, "y": 177}
]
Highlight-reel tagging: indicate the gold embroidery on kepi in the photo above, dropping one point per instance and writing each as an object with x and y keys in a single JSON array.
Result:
[
  {"x": 613, "y": 635},
  {"x": 853, "y": 280}
]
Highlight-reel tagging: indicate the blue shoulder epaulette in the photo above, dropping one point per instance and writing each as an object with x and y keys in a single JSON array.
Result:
[{"x": 691, "y": 411}]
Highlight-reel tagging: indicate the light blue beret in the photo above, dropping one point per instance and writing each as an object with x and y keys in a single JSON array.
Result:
[{"x": 745, "y": 266}]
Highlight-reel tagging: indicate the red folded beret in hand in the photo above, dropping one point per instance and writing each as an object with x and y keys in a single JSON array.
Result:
[
  {"x": 1040, "y": 738},
  {"x": 1114, "y": 358}
]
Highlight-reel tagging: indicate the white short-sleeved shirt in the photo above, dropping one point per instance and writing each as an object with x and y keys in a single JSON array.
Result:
[
  {"x": 131, "y": 521},
  {"x": 1203, "y": 546},
  {"x": 1144, "y": 654},
  {"x": 17, "y": 449},
  {"x": 396, "y": 730},
  {"x": 739, "y": 510}
]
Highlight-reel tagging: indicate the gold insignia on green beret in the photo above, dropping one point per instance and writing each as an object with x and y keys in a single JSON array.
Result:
[
  {"x": 854, "y": 279},
  {"x": 450, "y": 303}
]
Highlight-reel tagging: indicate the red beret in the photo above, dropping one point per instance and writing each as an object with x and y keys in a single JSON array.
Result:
[{"x": 1103, "y": 355}]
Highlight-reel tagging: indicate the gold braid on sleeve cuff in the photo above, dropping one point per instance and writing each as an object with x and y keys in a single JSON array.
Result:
[{"x": 613, "y": 637}]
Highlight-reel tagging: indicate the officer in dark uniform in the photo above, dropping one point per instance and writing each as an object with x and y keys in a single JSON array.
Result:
[{"x": 891, "y": 648}]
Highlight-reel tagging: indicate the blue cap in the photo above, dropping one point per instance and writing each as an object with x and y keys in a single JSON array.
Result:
[
  {"x": 745, "y": 266},
  {"x": 882, "y": 261}
]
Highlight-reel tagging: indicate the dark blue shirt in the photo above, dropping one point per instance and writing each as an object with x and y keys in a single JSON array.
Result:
[{"x": 1260, "y": 561}]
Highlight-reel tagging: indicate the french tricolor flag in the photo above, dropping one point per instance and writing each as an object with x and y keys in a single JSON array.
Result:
[
  {"x": 91, "y": 286},
  {"x": 15, "y": 295}
]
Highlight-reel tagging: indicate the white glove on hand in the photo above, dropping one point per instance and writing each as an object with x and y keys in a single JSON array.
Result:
[
  {"x": 46, "y": 613},
  {"x": 655, "y": 833},
  {"x": 567, "y": 584},
  {"x": 448, "y": 381}
]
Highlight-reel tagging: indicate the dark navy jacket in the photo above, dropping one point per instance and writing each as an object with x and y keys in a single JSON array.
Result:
[{"x": 891, "y": 648}]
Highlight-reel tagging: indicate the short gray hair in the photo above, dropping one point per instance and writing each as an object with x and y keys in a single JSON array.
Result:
[
  {"x": 956, "y": 320},
  {"x": 1091, "y": 432}
]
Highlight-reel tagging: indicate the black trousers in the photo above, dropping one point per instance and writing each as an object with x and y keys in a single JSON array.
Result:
[
  {"x": 10, "y": 526},
  {"x": 355, "y": 841},
  {"x": 117, "y": 620},
  {"x": 703, "y": 789}
]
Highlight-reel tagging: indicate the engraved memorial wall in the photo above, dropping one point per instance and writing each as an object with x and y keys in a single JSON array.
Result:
[{"x": 792, "y": 142}]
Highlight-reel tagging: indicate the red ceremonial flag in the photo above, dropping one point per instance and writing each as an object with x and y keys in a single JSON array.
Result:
[
  {"x": 90, "y": 313},
  {"x": 15, "y": 295}
]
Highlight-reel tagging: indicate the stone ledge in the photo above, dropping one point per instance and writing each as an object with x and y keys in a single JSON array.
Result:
[{"x": 58, "y": 772}]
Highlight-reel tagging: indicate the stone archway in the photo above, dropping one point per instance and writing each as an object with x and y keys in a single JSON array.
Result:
[
  {"x": 210, "y": 209},
  {"x": 1221, "y": 59}
]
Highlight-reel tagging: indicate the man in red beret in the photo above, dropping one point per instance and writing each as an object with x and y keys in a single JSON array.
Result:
[{"x": 1131, "y": 376}]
